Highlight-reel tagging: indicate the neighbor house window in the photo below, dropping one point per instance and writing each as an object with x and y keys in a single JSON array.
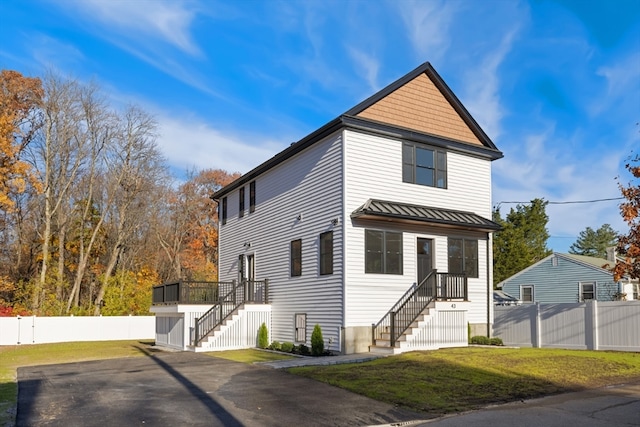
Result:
[
  {"x": 296, "y": 258},
  {"x": 326, "y": 253},
  {"x": 224, "y": 210},
  {"x": 463, "y": 257},
  {"x": 252, "y": 197},
  {"x": 383, "y": 252},
  {"x": 424, "y": 165},
  {"x": 241, "y": 203},
  {"x": 526, "y": 294},
  {"x": 587, "y": 291}
]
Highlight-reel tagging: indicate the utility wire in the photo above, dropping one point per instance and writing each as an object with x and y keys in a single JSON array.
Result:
[{"x": 563, "y": 203}]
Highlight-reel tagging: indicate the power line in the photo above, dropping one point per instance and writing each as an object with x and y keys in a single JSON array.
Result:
[{"x": 564, "y": 202}]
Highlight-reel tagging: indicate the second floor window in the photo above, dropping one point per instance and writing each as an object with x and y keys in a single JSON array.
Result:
[
  {"x": 223, "y": 220},
  {"x": 241, "y": 203},
  {"x": 424, "y": 165},
  {"x": 252, "y": 197}
]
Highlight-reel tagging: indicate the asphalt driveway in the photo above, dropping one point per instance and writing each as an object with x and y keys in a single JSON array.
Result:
[{"x": 187, "y": 389}]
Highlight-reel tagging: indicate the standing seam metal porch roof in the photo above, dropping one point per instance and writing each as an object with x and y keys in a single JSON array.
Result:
[{"x": 376, "y": 209}]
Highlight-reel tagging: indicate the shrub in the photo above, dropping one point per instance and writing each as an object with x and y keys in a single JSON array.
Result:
[
  {"x": 481, "y": 340},
  {"x": 304, "y": 350},
  {"x": 317, "y": 343},
  {"x": 275, "y": 346},
  {"x": 263, "y": 336},
  {"x": 287, "y": 347},
  {"x": 496, "y": 341}
]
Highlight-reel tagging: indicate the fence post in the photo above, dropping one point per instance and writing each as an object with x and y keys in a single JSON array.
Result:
[
  {"x": 538, "y": 327},
  {"x": 266, "y": 291},
  {"x": 595, "y": 333}
]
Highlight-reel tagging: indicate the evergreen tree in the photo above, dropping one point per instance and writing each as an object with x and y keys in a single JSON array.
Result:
[
  {"x": 595, "y": 243},
  {"x": 522, "y": 240}
]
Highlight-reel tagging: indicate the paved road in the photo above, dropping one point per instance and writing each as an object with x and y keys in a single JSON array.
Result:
[
  {"x": 604, "y": 407},
  {"x": 187, "y": 389}
]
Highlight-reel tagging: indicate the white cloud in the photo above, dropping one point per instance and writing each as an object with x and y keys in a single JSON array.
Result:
[
  {"x": 366, "y": 65},
  {"x": 167, "y": 21},
  {"x": 427, "y": 25},
  {"x": 191, "y": 143},
  {"x": 482, "y": 96}
]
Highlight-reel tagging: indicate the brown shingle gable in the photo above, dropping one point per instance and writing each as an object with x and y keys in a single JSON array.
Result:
[{"x": 419, "y": 105}]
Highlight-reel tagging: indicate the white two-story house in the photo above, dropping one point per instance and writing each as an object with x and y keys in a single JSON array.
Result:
[{"x": 375, "y": 226}]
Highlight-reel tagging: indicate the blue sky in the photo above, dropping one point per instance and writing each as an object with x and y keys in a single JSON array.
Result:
[{"x": 554, "y": 83}]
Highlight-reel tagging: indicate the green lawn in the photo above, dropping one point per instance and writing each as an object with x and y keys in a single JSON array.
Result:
[{"x": 453, "y": 380}]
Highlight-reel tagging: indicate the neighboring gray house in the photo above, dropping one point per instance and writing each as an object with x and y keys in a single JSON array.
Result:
[
  {"x": 379, "y": 217},
  {"x": 563, "y": 278}
]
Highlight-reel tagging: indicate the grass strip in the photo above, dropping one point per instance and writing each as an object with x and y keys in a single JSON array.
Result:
[{"x": 454, "y": 380}]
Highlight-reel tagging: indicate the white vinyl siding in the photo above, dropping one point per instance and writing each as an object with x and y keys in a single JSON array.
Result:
[
  {"x": 373, "y": 170},
  {"x": 298, "y": 199}
]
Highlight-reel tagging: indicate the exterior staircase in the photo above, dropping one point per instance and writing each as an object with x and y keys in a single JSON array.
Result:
[
  {"x": 429, "y": 316},
  {"x": 238, "y": 330}
]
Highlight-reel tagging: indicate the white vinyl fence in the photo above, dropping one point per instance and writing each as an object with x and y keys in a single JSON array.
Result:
[
  {"x": 592, "y": 325},
  {"x": 40, "y": 330}
]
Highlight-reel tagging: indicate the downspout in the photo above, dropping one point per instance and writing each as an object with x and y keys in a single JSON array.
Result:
[{"x": 489, "y": 287}]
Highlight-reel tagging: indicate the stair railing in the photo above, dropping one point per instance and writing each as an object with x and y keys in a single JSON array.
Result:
[
  {"x": 246, "y": 291},
  {"x": 407, "y": 309}
]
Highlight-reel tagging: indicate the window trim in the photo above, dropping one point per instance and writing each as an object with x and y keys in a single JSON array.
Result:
[
  {"x": 326, "y": 253},
  {"x": 464, "y": 258},
  {"x": 296, "y": 255},
  {"x": 224, "y": 211},
  {"x": 252, "y": 197},
  {"x": 533, "y": 298},
  {"x": 412, "y": 163},
  {"x": 241, "y": 202},
  {"x": 385, "y": 260},
  {"x": 594, "y": 291}
]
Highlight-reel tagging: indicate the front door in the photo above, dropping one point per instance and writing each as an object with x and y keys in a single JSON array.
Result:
[{"x": 425, "y": 258}]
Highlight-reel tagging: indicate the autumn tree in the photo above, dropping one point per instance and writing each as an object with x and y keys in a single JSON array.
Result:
[
  {"x": 594, "y": 243},
  {"x": 190, "y": 237},
  {"x": 19, "y": 101},
  {"x": 522, "y": 241},
  {"x": 629, "y": 244}
]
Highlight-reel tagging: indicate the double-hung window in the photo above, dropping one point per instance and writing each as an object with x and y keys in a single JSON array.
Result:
[
  {"x": 296, "y": 258},
  {"x": 223, "y": 218},
  {"x": 526, "y": 293},
  {"x": 252, "y": 197},
  {"x": 383, "y": 252},
  {"x": 241, "y": 202},
  {"x": 463, "y": 256},
  {"x": 424, "y": 165},
  {"x": 326, "y": 253},
  {"x": 587, "y": 291}
]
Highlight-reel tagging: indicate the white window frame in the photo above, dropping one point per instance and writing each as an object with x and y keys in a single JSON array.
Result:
[
  {"x": 595, "y": 287},
  {"x": 533, "y": 298}
]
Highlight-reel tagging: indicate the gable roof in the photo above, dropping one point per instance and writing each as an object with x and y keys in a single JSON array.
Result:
[
  {"x": 598, "y": 264},
  {"x": 418, "y": 107},
  {"x": 404, "y": 212}
]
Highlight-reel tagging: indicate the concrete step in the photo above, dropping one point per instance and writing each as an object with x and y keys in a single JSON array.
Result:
[{"x": 382, "y": 350}]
